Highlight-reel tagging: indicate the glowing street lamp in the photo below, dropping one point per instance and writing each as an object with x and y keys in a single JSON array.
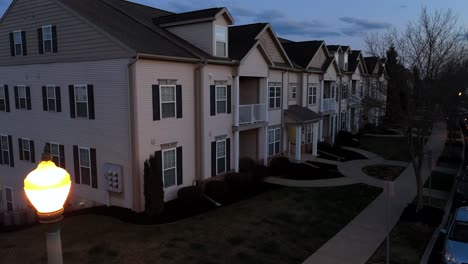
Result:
[
  {"x": 460, "y": 93},
  {"x": 47, "y": 188}
]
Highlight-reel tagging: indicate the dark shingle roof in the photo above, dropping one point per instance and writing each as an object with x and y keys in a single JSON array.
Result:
[
  {"x": 327, "y": 63},
  {"x": 302, "y": 52},
  {"x": 353, "y": 60},
  {"x": 283, "y": 40},
  {"x": 301, "y": 114},
  {"x": 209, "y": 13},
  {"x": 242, "y": 39},
  {"x": 371, "y": 62},
  {"x": 333, "y": 48},
  {"x": 344, "y": 48}
]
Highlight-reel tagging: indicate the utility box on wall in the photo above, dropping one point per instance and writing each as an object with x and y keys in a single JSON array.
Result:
[{"x": 113, "y": 177}]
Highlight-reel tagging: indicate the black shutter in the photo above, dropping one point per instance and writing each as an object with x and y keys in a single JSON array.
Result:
[
  {"x": 91, "y": 101},
  {"x": 179, "y": 166},
  {"x": 10, "y": 145},
  {"x": 76, "y": 158},
  {"x": 23, "y": 41},
  {"x": 7, "y": 98},
  {"x": 44, "y": 98},
  {"x": 12, "y": 45},
  {"x": 62, "y": 156},
  {"x": 179, "y": 100},
  {"x": 58, "y": 99},
  {"x": 54, "y": 39},
  {"x": 229, "y": 95},
  {"x": 228, "y": 154},
  {"x": 40, "y": 41},
  {"x": 16, "y": 97},
  {"x": 156, "y": 103},
  {"x": 212, "y": 100},
  {"x": 213, "y": 158},
  {"x": 28, "y": 98},
  {"x": 71, "y": 90},
  {"x": 20, "y": 147},
  {"x": 33, "y": 153},
  {"x": 94, "y": 182}
]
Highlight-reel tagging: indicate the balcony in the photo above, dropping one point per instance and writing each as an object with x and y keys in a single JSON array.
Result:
[
  {"x": 328, "y": 104},
  {"x": 251, "y": 114}
]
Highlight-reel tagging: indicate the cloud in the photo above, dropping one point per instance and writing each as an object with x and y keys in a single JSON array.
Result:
[{"x": 359, "y": 26}]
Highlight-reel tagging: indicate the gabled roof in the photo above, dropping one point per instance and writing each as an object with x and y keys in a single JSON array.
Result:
[
  {"x": 371, "y": 63},
  {"x": 197, "y": 15},
  {"x": 333, "y": 48},
  {"x": 345, "y": 48},
  {"x": 283, "y": 40},
  {"x": 353, "y": 60},
  {"x": 299, "y": 114},
  {"x": 302, "y": 52},
  {"x": 242, "y": 39}
]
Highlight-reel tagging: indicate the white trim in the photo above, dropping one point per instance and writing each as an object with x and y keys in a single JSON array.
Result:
[
  {"x": 222, "y": 157},
  {"x": 166, "y": 169},
  {"x": 23, "y": 149},
  {"x": 293, "y": 92},
  {"x": 49, "y": 98},
  {"x": 220, "y": 100},
  {"x": 89, "y": 162},
  {"x": 19, "y": 87},
  {"x": 14, "y": 42},
  {"x": 76, "y": 101},
  {"x": 7, "y": 149},
  {"x": 12, "y": 199},
  {"x": 225, "y": 41},
  {"x": 275, "y": 131},
  {"x": 275, "y": 97},
  {"x": 58, "y": 150},
  {"x": 168, "y": 102},
  {"x": 44, "y": 40}
]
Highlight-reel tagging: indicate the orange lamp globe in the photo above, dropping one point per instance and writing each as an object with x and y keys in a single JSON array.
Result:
[{"x": 47, "y": 187}]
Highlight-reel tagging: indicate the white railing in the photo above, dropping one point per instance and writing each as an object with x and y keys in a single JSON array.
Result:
[
  {"x": 328, "y": 104},
  {"x": 250, "y": 114}
]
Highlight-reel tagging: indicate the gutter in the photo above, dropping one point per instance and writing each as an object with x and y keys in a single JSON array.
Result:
[{"x": 199, "y": 120}]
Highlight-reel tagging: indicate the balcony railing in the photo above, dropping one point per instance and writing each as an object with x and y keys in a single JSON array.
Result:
[
  {"x": 251, "y": 114},
  {"x": 328, "y": 104}
]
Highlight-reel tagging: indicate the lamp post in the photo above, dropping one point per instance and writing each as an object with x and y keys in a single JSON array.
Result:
[{"x": 47, "y": 188}]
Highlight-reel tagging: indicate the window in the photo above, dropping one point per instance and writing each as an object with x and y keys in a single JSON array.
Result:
[
  {"x": 308, "y": 133},
  {"x": 22, "y": 98},
  {"x": 343, "y": 121},
  {"x": 51, "y": 98},
  {"x": 25, "y": 149},
  {"x": 2, "y": 99},
  {"x": 344, "y": 91},
  {"x": 5, "y": 149},
  {"x": 220, "y": 156},
  {"x": 311, "y": 95},
  {"x": 169, "y": 168},
  {"x": 293, "y": 92},
  {"x": 57, "y": 152},
  {"x": 353, "y": 87},
  {"x": 9, "y": 199},
  {"x": 275, "y": 97},
  {"x": 221, "y": 41},
  {"x": 85, "y": 166},
  {"x": 221, "y": 99},
  {"x": 47, "y": 38},
  {"x": 81, "y": 101},
  {"x": 18, "y": 42},
  {"x": 168, "y": 101},
  {"x": 274, "y": 141}
]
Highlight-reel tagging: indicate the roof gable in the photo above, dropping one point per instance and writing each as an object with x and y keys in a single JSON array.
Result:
[
  {"x": 273, "y": 46},
  {"x": 196, "y": 16},
  {"x": 302, "y": 52}
]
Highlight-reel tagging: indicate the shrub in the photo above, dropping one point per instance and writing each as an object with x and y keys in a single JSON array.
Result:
[
  {"x": 153, "y": 186},
  {"x": 247, "y": 165},
  {"x": 218, "y": 191},
  {"x": 190, "y": 197},
  {"x": 240, "y": 185},
  {"x": 279, "y": 166},
  {"x": 344, "y": 138},
  {"x": 324, "y": 146}
]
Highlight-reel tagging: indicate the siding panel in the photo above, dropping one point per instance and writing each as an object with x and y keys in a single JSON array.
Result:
[{"x": 200, "y": 35}]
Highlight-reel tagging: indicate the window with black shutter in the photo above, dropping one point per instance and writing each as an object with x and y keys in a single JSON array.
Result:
[
  {"x": 18, "y": 43},
  {"x": 85, "y": 166},
  {"x": 51, "y": 98},
  {"x": 169, "y": 167},
  {"x": 58, "y": 153},
  {"x": 167, "y": 101},
  {"x": 26, "y": 150},
  {"x": 81, "y": 101},
  {"x": 4, "y": 99},
  {"x": 6, "y": 150},
  {"x": 22, "y": 97}
]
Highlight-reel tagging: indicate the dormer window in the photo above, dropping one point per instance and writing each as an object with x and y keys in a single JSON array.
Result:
[
  {"x": 345, "y": 66},
  {"x": 221, "y": 41}
]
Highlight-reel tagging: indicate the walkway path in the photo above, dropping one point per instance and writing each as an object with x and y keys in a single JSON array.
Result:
[{"x": 357, "y": 241}]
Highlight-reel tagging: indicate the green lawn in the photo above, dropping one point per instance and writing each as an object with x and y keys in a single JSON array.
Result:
[
  {"x": 440, "y": 181},
  {"x": 285, "y": 225},
  {"x": 391, "y": 148},
  {"x": 384, "y": 172}
]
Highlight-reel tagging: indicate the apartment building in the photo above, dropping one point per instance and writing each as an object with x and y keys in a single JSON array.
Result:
[
  {"x": 375, "y": 96},
  {"x": 105, "y": 84}
]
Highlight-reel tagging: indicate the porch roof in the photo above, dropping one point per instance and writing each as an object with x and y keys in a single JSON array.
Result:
[{"x": 299, "y": 115}]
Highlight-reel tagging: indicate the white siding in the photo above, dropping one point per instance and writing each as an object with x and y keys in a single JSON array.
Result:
[{"x": 108, "y": 133}]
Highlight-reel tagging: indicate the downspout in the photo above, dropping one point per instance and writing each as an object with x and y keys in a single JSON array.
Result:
[
  {"x": 199, "y": 121},
  {"x": 133, "y": 135},
  {"x": 283, "y": 128}
]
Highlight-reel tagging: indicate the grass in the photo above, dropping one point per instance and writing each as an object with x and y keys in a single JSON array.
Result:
[
  {"x": 394, "y": 148},
  {"x": 440, "y": 181},
  {"x": 284, "y": 225},
  {"x": 384, "y": 172}
]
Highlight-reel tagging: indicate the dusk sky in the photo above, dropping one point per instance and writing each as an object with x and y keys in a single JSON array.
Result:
[{"x": 337, "y": 22}]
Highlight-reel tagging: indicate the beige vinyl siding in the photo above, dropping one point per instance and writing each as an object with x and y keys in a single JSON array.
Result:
[
  {"x": 151, "y": 134},
  {"x": 331, "y": 74},
  {"x": 293, "y": 80},
  {"x": 275, "y": 115},
  {"x": 318, "y": 59},
  {"x": 77, "y": 40},
  {"x": 254, "y": 65},
  {"x": 108, "y": 133},
  {"x": 313, "y": 80},
  {"x": 220, "y": 124},
  {"x": 200, "y": 35},
  {"x": 272, "y": 49}
]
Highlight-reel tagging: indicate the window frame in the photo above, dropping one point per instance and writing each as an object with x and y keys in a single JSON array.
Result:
[
  {"x": 275, "y": 97},
  {"x": 25, "y": 98},
  {"x": 51, "y": 144},
  {"x": 293, "y": 92},
  {"x": 86, "y": 167},
  {"x": 20, "y": 32},
  {"x": 225, "y": 41},
  {"x": 12, "y": 202},
  {"x": 161, "y": 102},
  {"x": 221, "y": 100},
  {"x": 311, "y": 95},
  {"x": 44, "y": 39},
  {"x": 76, "y": 100},
  {"x": 3, "y": 98},
  {"x": 55, "y": 98},
  {"x": 219, "y": 142},
  {"x": 2, "y": 150},
  {"x": 275, "y": 131},
  {"x": 171, "y": 168},
  {"x": 309, "y": 132},
  {"x": 26, "y": 142}
]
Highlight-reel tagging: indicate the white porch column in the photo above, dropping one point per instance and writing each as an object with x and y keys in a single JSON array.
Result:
[
  {"x": 236, "y": 123},
  {"x": 315, "y": 129},
  {"x": 298, "y": 142}
]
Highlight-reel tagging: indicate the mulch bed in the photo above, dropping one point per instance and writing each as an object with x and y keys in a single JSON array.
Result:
[
  {"x": 384, "y": 172},
  {"x": 300, "y": 171}
]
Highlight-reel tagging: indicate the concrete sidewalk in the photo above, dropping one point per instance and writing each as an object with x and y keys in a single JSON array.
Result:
[{"x": 357, "y": 241}]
